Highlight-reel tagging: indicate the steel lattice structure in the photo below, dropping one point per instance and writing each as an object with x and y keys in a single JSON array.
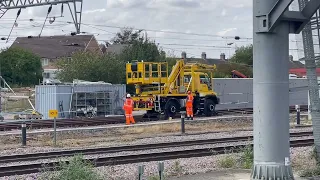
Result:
[
  {"x": 76, "y": 10},
  {"x": 315, "y": 27}
]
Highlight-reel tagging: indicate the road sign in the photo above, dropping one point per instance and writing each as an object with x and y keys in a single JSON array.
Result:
[{"x": 53, "y": 113}]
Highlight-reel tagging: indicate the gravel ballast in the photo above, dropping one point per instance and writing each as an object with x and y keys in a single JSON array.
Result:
[{"x": 300, "y": 158}]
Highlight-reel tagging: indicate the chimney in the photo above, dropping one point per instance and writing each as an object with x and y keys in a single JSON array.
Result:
[
  {"x": 222, "y": 56},
  {"x": 184, "y": 55},
  {"x": 291, "y": 58},
  {"x": 204, "y": 55}
]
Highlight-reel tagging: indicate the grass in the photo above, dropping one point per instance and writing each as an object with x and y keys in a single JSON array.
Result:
[
  {"x": 244, "y": 160},
  {"x": 312, "y": 171},
  {"x": 77, "y": 169},
  {"x": 228, "y": 162}
]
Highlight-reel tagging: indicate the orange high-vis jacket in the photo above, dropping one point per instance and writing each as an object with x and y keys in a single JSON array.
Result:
[
  {"x": 128, "y": 105},
  {"x": 189, "y": 100}
]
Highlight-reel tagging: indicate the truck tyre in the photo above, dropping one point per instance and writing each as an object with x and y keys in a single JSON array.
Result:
[
  {"x": 171, "y": 109},
  {"x": 209, "y": 107}
]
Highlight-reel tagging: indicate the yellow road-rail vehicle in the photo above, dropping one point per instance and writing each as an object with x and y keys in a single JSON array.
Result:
[{"x": 159, "y": 92}]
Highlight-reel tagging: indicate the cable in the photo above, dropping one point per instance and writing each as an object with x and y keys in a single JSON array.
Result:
[
  {"x": 18, "y": 14},
  {"x": 49, "y": 10},
  {"x": 153, "y": 30}
]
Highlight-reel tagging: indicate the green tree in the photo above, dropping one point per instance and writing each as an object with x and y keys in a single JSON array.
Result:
[
  {"x": 92, "y": 66},
  {"x": 110, "y": 67},
  {"x": 127, "y": 36},
  {"x": 142, "y": 50},
  {"x": 243, "y": 55},
  {"x": 20, "y": 67}
]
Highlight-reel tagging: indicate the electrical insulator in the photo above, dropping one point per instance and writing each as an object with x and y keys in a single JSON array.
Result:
[
  {"x": 3, "y": 38},
  {"x": 236, "y": 37}
]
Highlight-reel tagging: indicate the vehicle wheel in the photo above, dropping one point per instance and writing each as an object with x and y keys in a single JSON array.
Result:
[
  {"x": 171, "y": 109},
  {"x": 209, "y": 107}
]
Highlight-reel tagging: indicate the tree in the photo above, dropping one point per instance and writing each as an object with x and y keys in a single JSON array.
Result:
[
  {"x": 110, "y": 67},
  {"x": 243, "y": 55},
  {"x": 20, "y": 67},
  {"x": 91, "y": 66},
  {"x": 127, "y": 36},
  {"x": 142, "y": 50},
  {"x": 139, "y": 47}
]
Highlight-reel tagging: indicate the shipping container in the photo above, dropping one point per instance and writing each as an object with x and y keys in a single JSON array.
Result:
[{"x": 62, "y": 98}]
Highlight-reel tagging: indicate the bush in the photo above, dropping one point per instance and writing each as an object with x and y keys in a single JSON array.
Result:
[
  {"x": 228, "y": 162},
  {"x": 76, "y": 169},
  {"x": 246, "y": 159}
]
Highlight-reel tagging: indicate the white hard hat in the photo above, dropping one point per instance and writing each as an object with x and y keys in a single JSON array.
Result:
[{"x": 128, "y": 95}]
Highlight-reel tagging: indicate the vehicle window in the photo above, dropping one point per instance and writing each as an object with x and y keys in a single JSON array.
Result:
[
  {"x": 187, "y": 78},
  {"x": 204, "y": 79}
]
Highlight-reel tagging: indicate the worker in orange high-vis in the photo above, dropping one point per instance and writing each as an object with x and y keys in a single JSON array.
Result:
[
  {"x": 128, "y": 108},
  {"x": 189, "y": 106}
]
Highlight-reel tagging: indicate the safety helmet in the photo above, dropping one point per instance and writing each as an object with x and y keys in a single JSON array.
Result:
[
  {"x": 128, "y": 95},
  {"x": 189, "y": 92}
]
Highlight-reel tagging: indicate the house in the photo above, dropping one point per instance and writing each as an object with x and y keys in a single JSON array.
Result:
[
  {"x": 205, "y": 60},
  {"x": 51, "y": 48},
  {"x": 116, "y": 48}
]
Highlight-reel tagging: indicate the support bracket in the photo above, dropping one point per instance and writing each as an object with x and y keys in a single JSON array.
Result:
[{"x": 280, "y": 12}]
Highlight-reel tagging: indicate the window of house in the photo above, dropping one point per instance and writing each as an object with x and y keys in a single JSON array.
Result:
[
  {"x": 46, "y": 75},
  {"x": 44, "y": 61}
]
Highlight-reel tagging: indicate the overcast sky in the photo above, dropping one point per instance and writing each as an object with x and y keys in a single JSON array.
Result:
[{"x": 215, "y": 22}]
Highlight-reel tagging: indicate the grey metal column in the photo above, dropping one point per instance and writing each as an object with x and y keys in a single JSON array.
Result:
[{"x": 272, "y": 23}]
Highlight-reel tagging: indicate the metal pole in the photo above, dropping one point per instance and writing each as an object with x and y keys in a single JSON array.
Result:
[
  {"x": 141, "y": 172},
  {"x": 54, "y": 132},
  {"x": 161, "y": 169},
  {"x": 270, "y": 96},
  {"x": 24, "y": 134},
  {"x": 298, "y": 114},
  {"x": 309, "y": 106},
  {"x": 182, "y": 124}
]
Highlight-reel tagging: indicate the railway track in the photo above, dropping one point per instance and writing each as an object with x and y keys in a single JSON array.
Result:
[
  {"x": 126, "y": 159},
  {"x": 97, "y": 121},
  {"x": 48, "y": 123}
]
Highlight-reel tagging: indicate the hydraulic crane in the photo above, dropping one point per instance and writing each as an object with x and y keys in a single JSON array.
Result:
[{"x": 159, "y": 92}]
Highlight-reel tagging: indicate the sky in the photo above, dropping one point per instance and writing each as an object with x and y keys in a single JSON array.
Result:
[{"x": 193, "y": 26}]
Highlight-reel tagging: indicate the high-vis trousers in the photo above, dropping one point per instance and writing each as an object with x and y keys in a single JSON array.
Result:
[
  {"x": 129, "y": 119},
  {"x": 189, "y": 112}
]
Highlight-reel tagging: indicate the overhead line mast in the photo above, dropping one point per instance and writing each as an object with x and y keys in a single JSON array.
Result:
[{"x": 75, "y": 7}]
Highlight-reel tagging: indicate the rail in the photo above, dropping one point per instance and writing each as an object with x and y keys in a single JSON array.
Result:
[{"x": 137, "y": 158}]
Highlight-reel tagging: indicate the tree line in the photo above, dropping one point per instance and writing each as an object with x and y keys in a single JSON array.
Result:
[{"x": 23, "y": 68}]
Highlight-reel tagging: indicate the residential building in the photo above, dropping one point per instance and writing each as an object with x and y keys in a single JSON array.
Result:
[
  {"x": 116, "y": 48},
  {"x": 205, "y": 60},
  {"x": 52, "y": 48}
]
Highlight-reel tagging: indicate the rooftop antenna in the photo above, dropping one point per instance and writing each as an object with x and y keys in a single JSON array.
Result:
[{"x": 14, "y": 24}]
